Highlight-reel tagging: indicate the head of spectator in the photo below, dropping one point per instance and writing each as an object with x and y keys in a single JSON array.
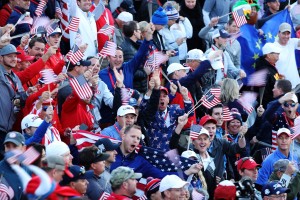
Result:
[
  {"x": 172, "y": 187},
  {"x": 210, "y": 124},
  {"x": 284, "y": 33},
  {"x": 281, "y": 87},
  {"x": 123, "y": 181},
  {"x": 232, "y": 28},
  {"x": 229, "y": 90},
  {"x": 40, "y": 148},
  {"x": 189, "y": 154},
  {"x": 106, "y": 146},
  {"x": 130, "y": 139},
  {"x": 235, "y": 124},
  {"x": 280, "y": 167},
  {"x": 194, "y": 58},
  {"x": 59, "y": 148},
  {"x": 159, "y": 19},
  {"x": 8, "y": 57},
  {"x": 271, "y": 53},
  {"x": 14, "y": 141},
  {"x": 122, "y": 18},
  {"x": 92, "y": 159},
  {"x": 251, "y": 8},
  {"x": 172, "y": 13},
  {"x": 290, "y": 105},
  {"x": 30, "y": 123},
  {"x": 54, "y": 37},
  {"x": 226, "y": 190},
  {"x": 95, "y": 65},
  {"x": 117, "y": 60},
  {"x": 144, "y": 27},
  {"x": 219, "y": 38},
  {"x": 152, "y": 188},
  {"x": 216, "y": 112},
  {"x": 202, "y": 142},
  {"x": 177, "y": 71},
  {"x": 126, "y": 115},
  {"x": 79, "y": 68},
  {"x": 284, "y": 140},
  {"x": 25, "y": 4},
  {"x": 36, "y": 47},
  {"x": 190, "y": 4},
  {"x": 84, "y": 5},
  {"x": 127, "y": 5},
  {"x": 23, "y": 60},
  {"x": 79, "y": 179},
  {"x": 273, "y": 5},
  {"x": 163, "y": 99},
  {"x": 55, "y": 167},
  {"x": 274, "y": 190},
  {"x": 132, "y": 30},
  {"x": 247, "y": 167}
]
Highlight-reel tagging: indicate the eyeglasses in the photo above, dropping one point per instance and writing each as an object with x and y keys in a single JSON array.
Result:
[{"x": 289, "y": 104}]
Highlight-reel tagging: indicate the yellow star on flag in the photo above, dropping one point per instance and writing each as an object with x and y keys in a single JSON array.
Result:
[{"x": 255, "y": 56}]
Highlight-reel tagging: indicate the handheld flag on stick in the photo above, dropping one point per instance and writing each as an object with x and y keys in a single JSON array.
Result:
[
  {"x": 109, "y": 49},
  {"x": 81, "y": 87},
  {"x": 107, "y": 30},
  {"x": 239, "y": 17},
  {"x": 227, "y": 114},
  {"x": 74, "y": 24},
  {"x": 211, "y": 98},
  {"x": 48, "y": 76},
  {"x": 40, "y": 8},
  {"x": 246, "y": 100}
]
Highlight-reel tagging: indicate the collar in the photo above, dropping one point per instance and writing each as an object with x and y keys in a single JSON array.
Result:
[
  {"x": 281, "y": 155},
  {"x": 129, "y": 156},
  {"x": 118, "y": 125}
]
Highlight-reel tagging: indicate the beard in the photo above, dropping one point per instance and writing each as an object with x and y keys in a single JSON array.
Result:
[{"x": 253, "y": 18}]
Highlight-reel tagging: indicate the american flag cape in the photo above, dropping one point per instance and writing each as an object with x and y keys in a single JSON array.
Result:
[
  {"x": 86, "y": 139},
  {"x": 211, "y": 98},
  {"x": 239, "y": 17},
  {"x": 81, "y": 87},
  {"x": 107, "y": 30},
  {"x": 246, "y": 100},
  {"x": 109, "y": 49}
]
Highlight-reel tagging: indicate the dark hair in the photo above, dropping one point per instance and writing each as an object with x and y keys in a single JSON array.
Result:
[
  {"x": 39, "y": 148},
  {"x": 128, "y": 128},
  {"x": 129, "y": 28},
  {"x": 230, "y": 21},
  {"x": 210, "y": 111},
  {"x": 284, "y": 85},
  {"x": 34, "y": 40},
  {"x": 86, "y": 156},
  {"x": 91, "y": 57}
]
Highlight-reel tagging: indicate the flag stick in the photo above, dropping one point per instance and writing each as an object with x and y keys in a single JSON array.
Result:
[
  {"x": 224, "y": 15},
  {"x": 150, "y": 10},
  {"x": 166, "y": 77},
  {"x": 261, "y": 94},
  {"x": 20, "y": 35},
  {"x": 19, "y": 20},
  {"x": 49, "y": 94},
  {"x": 189, "y": 141}
]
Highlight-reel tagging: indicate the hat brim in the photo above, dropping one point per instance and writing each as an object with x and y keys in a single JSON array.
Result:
[
  {"x": 137, "y": 175},
  {"x": 87, "y": 175},
  {"x": 101, "y": 157},
  {"x": 13, "y": 141},
  {"x": 11, "y": 53}
]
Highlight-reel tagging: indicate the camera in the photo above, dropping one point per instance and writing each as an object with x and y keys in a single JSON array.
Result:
[{"x": 246, "y": 190}]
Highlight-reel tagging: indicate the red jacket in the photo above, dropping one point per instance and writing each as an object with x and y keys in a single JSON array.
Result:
[
  {"x": 106, "y": 18},
  {"x": 5, "y": 13},
  {"x": 114, "y": 196},
  {"x": 55, "y": 62}
]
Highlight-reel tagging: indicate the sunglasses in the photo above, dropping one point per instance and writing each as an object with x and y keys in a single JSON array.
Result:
[{"x": 289, "y": 104}]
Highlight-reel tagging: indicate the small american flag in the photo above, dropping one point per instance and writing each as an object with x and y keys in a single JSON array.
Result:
[
  {"x": 13, "y": 156},
  {"x": 194, "y": 131},
  {"x": 211, "y": 98},
  {"x": 38, "y": 30},
  {"x": 51, "y": 28},
  {"x": 126, "y": 94},
  {"x": 58, "y": 11},
  {"x": 104, "y": 196},
  {"x": 293, "y": 136},
  {"x": 258, "y": 78},
  {"x": 74, "y": 24},
  {"x": 227, "y": 114},
  {"x": 154, "y": 60},
  {"x": 86, "y": 139},
  {"x": 81, "y": 87},
  {"x": 29, "y": 156},
  {"x": 75, "y": 56},
  {"x": 48, "y": 76},
  {"x": 239, "y": 17},
  {"x": 109, "y": 49},
  {"x": 296, "y": 128},
  {"x": 40, "y": 8},
  {"x": 107, "y": 30},
  {"x": 6, "y": 192},
  {"x": 247, "y": 99}
]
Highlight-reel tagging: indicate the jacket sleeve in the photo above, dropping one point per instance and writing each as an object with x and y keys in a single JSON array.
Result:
[
  {"x": 269, "y": 114},
  {"x": 108, "y": 97},
  {"x": 38, "y": 134},
  {"x": 117, "y": 103},
  {"x": 264, "y": 172},
  {"x": 205, "y": 33},
  {"x": 174, "y": 143},
  {"x": 232, "y": 71},
  {"x": 231, "y": 148},
  {"x": 31, "y": 71},
  {"x": 188, "y": 28},
  {"x": 294, "y": 186}
]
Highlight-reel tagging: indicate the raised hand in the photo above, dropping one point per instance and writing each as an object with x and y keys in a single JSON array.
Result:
[{"x": 184, "y": 92}]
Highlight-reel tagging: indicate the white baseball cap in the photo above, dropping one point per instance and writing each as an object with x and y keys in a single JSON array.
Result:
[
  {"x": 270, "y": 48},
  {"x": 195, "y": 54},
  {"x": 126, "y": 109},
  {"x": 31, "y": 120},
  {"x": 188, "y": 154},
  {"x": 283, "y": 130},
  {"x": 216, "y": 63},
  {"x": 125, "y": 16},
  {"x": 175, "y": 67},
  {"x": 171, "y": 181}
]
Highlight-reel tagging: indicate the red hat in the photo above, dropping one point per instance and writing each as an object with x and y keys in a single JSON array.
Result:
[
  {"x": 23, "y": 57},
  {"x": 152, "y": 186},
  {"x": 206, "y": 119},
  {"x": 246, "y": 163},
  {"x": 64, "y": 191},
  {"x": 226, "y": 190},
  {"x": 164, "y": 89}
]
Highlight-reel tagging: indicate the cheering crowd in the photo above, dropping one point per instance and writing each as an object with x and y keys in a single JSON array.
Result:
[{"x": 138, "y": 99}]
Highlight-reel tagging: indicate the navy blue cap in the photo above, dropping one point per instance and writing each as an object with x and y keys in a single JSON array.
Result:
[
  {"x": 274, "y": 188},
  {"x": 85, "y": 63},
  {"x": 78, "y": 173},
  {"x": 128, "y": 6},
  {"x": 106, "y": 144}
]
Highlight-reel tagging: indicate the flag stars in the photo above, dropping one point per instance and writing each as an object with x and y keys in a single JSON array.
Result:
[
  {"x": 255, "y": 56},
  {"x": 257, "y": 45},
  {"x": 270, "y": 35}
]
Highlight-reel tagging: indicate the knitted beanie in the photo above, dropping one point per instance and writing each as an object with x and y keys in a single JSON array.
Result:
[
  {"x": 225, "y": 190},
  {"x": 171, "y": 12},
  {"x": 159, "y": 17},
  {"x": 152, "y": 186}
]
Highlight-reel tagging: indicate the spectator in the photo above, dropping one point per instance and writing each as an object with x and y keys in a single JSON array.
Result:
[
  {"x": 233, "y": 46},
  {"x": 159, "y": 19},
  {"x": 152, "y": 189},
  {"x": 216, "y": 112},
  {"x": 122, "y": 18},
  {"x": 127, "y": 6},
  {"x": 6, "y": 11},
  {"x": 55, "y": 167},
  {"x": 60, "y": 149},
  {"x": 274, "y": 189},
  {"x": 288, "y": 46},
  {"x": 172, "y": 187},
  {"x": 23, "y": 61},
  {"x": 216, "y": 8},
  {"x": 273, "y": 7}
]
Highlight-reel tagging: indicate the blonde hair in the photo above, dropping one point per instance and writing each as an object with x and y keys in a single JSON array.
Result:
[
  {"x": 173, "y": 3},
  {"x": 143, "y": 25},
  {"x": 229, "y": 90}
]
